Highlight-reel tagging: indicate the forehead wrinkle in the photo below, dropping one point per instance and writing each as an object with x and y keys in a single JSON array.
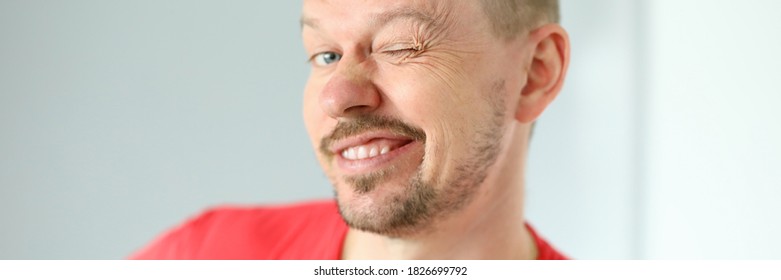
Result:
[
  {"x": 380, "y": 19},
  {"x": 401, "y": 13}
]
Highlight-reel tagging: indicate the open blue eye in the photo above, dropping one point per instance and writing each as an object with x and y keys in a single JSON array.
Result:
[{"x": 326, "y": 58}]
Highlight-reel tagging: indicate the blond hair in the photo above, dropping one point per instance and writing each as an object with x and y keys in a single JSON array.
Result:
[{"x": 510, "y": 18}]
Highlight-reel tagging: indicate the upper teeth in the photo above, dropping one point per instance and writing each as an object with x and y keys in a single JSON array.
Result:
[{"x": 365, "y": 151}]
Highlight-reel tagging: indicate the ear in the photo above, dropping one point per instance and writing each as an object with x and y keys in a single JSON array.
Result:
[{"x": 546, "y": 71}]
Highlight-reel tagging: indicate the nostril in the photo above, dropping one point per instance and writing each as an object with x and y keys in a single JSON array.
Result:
[{"x": 360, "y": 109}]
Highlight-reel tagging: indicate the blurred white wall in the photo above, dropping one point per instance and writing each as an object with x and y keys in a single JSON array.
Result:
[
  {"x": 714, "y": 130},
  {"x": 665, "y": 143},
  {"x": 120, "y": 119},
  {"x": 583, "y": 165}
]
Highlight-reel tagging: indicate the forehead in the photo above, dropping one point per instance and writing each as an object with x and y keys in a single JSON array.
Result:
[{"x": 375, "y": 12}]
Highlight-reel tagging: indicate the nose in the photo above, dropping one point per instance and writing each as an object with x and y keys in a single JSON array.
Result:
[{"x": 349, "y": 92}]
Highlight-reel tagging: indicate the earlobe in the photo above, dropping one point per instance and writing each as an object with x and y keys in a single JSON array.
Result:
[{"x": 546, "y": 71}]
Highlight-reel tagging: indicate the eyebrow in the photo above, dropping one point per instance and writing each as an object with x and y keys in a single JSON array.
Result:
[{"x": 380, "y": 19}]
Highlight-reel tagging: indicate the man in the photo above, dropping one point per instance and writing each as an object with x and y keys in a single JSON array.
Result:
[{"x": 420, "y": 113}]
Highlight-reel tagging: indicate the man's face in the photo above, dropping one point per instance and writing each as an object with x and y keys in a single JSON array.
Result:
[{"x": 407, "y": 106}]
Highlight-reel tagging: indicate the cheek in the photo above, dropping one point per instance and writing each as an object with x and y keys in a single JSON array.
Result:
[
  {"x": 312, "y": 113},
  {"x": 315, "y": 120},
  {"x": 445, "y": 111}
]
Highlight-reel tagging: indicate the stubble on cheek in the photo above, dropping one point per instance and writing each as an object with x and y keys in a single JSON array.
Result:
[
  {"x": 420, "y": 202},
  {"x": 363, "y": 184}
]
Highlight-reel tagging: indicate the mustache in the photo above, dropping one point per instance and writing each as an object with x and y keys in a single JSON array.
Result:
[{"x": 363, "y": 124}]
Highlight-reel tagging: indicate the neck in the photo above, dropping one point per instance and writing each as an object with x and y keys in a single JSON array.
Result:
[{"x": 492, "y": 226}]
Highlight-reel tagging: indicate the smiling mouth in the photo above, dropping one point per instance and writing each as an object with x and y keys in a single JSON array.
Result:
[
  {"x": 373, "y": 148},
  {"x": 373, "y": 152},
  {"x": 370, "y": 143}
]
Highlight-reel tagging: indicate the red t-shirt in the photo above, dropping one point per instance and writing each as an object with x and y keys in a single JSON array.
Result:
[{"x": 306, "y": 231}]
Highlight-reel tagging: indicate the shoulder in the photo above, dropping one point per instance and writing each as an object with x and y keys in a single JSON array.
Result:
[
  {"x": 545, "y": 251},
  {"x": 303, "y": 230}
]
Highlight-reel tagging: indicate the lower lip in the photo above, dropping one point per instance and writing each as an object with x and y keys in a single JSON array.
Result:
[{"x": 362, "y": 166}]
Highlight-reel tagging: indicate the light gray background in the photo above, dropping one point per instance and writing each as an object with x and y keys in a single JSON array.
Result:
[{"x": 119, "y": 119}]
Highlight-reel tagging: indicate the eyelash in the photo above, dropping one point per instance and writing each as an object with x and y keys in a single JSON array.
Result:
[
  {"x": 396, "y": 52},
  {"x": 401, "y": 51}
]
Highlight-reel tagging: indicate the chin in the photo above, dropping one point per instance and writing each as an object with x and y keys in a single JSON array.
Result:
[{"x": 390, "y": 209}]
